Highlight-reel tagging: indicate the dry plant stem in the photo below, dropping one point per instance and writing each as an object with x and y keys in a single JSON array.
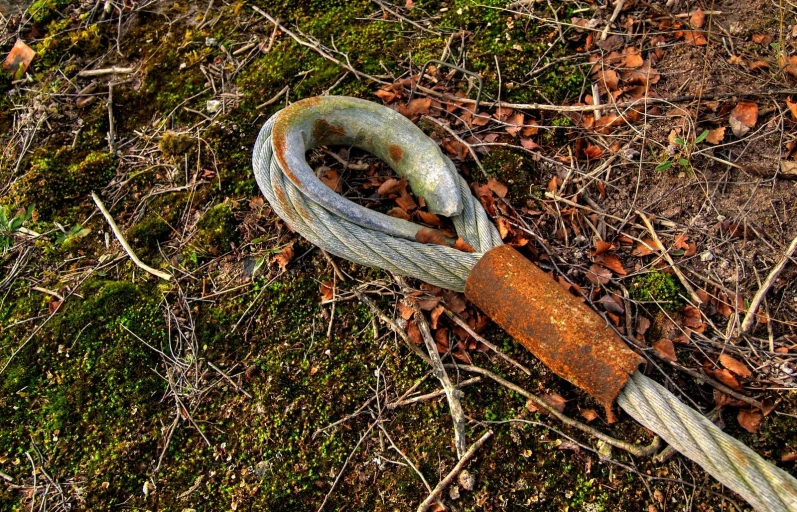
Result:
[
  {"x": 6, "y": 477},
  {"x": 274, "y": 99},
  {"x": 750, "y": 317},
  {"x": 123, "y": 242},
  {"x": 228, "y": 379},
  {"x": 393, "y": 445},
  {"x": 637, "y": 451},
  {"x": 462, "y": 323},
  {"x": 660, "y": 246},
  {"x": 452, "y": 394},
  {"x": 105, "y": 71},
  {"x": 394, "y": 327},
  {"x": 111, "y": 124},
  {"x": 617, "y": 8},
  {"x": 430, "y": 396},
  {"x": 445, "y": 482}
]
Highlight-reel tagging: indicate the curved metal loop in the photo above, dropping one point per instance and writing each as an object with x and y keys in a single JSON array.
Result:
[{"x": 344, "y": 121}]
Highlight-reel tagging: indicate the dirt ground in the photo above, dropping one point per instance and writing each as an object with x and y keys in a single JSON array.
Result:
[{"x": 256, "y": 377}]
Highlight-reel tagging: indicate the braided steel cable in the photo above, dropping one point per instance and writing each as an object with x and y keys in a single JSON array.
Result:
[{"x": 761, "y": 483}]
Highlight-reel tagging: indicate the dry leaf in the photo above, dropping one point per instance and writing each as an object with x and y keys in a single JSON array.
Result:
[
  {"x": 698, "y": 18},
  {"x": 405, "y": 311},
  {"x": 727, "y": 378},
  {"x": 463, "y": 246},
  {"x": 434, "y": 317},
  {"x": 749, "y": 420},
  {"x": 504, "y": 227},
  {"x": 792, "y": 107},
  {"x": 644, "y": 249},
  {"x": 611, "y": 262},
  {"x": 18, "y": 59},
  {"x": 406, "y": 201},
  {"x": 716, "y": 135},
  {"x": 331, "y": 179},
  {"x": 611, "y": 305},
  {"x": 665, "y": 349},
  {"x": 555, "y": 400},
  {"x": 788, "y": 169},
  {"x": 764, "y": 39},
  {"x": 693, "y": 319},
  {"x": 414, "y": 333},
  {"x": 430, "y": 236},
  {"x": 391, "y": 186},
  {"x": 695, "y": 37},
  {"x": 385, "y": 95},
  {"x": 327, "y": 290},
  {"x": 743, "y": 117},
  {"x": 601, "y": 247},
  {"x": 598, "y": 274},
  {"x": 429, "y": 218},
  {"x": 593, "y": 152},
  {"x": 496, "y": 186},
  {"x": 633, "y": 60},
  {"x": 516, "y": 123},
  {"x": 399, "y": 213},
  {"x": 736, "y": 366},
  {"x": 284, "y": 257},
  {"x": 529, "y": 144},
  {"x": 758, "y": 64},
  {"x": 588, "y": 414}
]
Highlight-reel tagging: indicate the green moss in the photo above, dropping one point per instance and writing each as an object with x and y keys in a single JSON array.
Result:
[
  {"x": 658, "y": 287},
  {"x": 148, "y": 233},
  {"x": 217, "y": 230},
  {"x": 175, "y": 144},
  {"x": 54, "y": 184},
  {"x": 44, "y": 10},
  {"x": 517, "y": 171}
]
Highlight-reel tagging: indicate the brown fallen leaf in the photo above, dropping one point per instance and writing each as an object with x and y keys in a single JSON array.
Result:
[
  {"x": 736, "y": 366},
  {"x": 327, "y": 290},
  {"x": 504, "y": 227},
  {"x": 645, "y": 248},
  {"x": 788, "y": 169},
  {"x": 18, "y": 59},
  {"x": 555, "y": 400},
  {"x": 284, "y": 257},
  {"x": 792, "y": 107},
  {"x": 727, "y": 378},
  {"x": 716, "y": 135},
  {"x": 695, "y": 37},
  {"x": 414, "y": 333},
  {"x": 764, "y": 39},
  {"x": 385, "y": 95},
  {"x": 391, "y": 186},
  {"x": 698, "y": 18},
  {"x": 515, "y": 122},
  {"x": 496, "y": 186},
  {"x": 398, "y": 213},
  {"x": 593, "y": 152},
  {"x": 429, "y": 218},
  {"x": 758, "y": 64},
  {"x": 331, "y": 179},
  {"x": 665, "y": 349},
  {"x": 430, "y": 236},
  {"x": 434, "y": 317},
  {"x": 463, "y": 246},
  {"x": 743, "y": 117},
  {"x": 598, "y": 274},
  {"x": 750, "y": 420},
  {"x": 611, "y": 262},
  {"x": 405, "y": 310},
  {"x": 589, "y": 414},
  {"x": 406, "y": 201},
  {"x": 602, "y": 246},
  {"x": 693, "y": 319}
]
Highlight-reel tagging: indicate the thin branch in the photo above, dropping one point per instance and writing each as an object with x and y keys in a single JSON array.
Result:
[
  {"x": 123, "y": 242},
  {"x": 445, "y": 482},
  {"x": 750, "y": 317}
]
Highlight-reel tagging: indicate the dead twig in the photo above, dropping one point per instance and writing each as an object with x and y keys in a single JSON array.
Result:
[
  {"x": 430, "y": 396},
  {"x": 105, "y": 71},
  {"x": 227, "y": 377},
  {"x": 452, "y": 393},
  {"x": 758, "y": 298},
  {"x": 123, "y": 242},
  {"x": 681, "y": 277},
  {"x": 445, "y": 482}
]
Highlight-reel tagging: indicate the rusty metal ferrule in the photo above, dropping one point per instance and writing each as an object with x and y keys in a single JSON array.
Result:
[{"x": 564, "y": 333}]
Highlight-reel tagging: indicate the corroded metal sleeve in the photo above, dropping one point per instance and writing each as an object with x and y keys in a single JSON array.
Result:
[{"x": 564, "y": 333}]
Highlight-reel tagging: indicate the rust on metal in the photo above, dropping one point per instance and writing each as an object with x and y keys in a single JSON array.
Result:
[
  {"x": 563, "y": 332},
  {"x": 396, "y": 153},
  {"x": 279, "y": 133},
  {"x": 323, "y": 130}
]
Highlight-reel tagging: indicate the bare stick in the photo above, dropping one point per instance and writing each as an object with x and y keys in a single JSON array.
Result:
[
  {"x": 635, "y": 450},
  {"x": 430, "y": 396},
  {"x": 681, "y": 277},
  {"x": 227, "y": 377},
  {"x": 274, "y": 99},
  {"x": 111, "y": 124},
  {"x": 462, "y": 323},
  {"x": 123, "y": 242},
  {"x": 417, "y": 471},
  {"x": 106, "y": 71},
  {"x": 6, "y": 477},
  {"x": 750, "y": 317},
  {"x": 452, "y": 393},
  {"x": 617, "y": 8},
  {"x": 393, "y": 326},
  {"x": 445, "y": 482}
]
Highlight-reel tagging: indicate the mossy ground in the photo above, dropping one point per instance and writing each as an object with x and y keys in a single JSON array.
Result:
[{"x": 87, "y": 398}]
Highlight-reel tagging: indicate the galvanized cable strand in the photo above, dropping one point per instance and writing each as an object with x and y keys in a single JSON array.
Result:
[
  {"x": 436, "y": 264},
  {"x": 731, "y": 462},
  {"x": 762, "y": 484}
]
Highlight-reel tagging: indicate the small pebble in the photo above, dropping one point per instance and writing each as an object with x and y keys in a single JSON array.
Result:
[
  {"x": 213, "y": 106},
  {"x": 706, "y": 256},
  {"x": 467, "y": 481}
]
